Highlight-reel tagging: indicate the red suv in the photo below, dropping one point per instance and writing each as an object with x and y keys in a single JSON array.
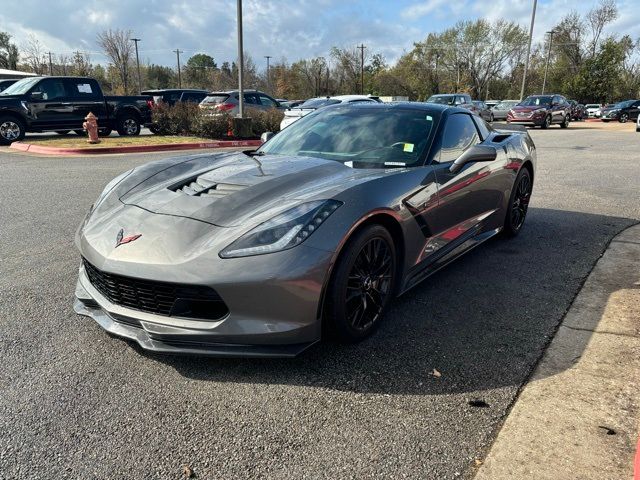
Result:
[{"x": 541, "y": 111}]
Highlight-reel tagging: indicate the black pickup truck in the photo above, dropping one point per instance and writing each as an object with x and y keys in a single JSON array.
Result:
[{"x": 60, "y": 104}]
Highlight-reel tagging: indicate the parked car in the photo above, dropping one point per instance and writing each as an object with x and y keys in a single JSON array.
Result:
[
  {"x": 7, "y": 83},
  {"x": 622, "y": 111},
  {"x": 578, "y": 111},
  {"x": 311, "y": 105},
  {"x": 60, "y": 104},
  {"x": 263, "y": 253},
  {"x": 491, "y": 103},
  {"x": 171, "y": 96},
  {"x": 501, "y": 110},
  {"x": 481, "y": 108},
  {"x": 541, "y": 111},
  {"x": 462, "y": 100},
  {"x": 289, "y": 103},
  {"x": 229, "y": 101},
  {"x": 638, "y": 124},
  {"x": 593, "y": 110}
]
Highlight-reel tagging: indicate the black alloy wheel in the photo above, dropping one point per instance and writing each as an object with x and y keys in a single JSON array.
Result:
[
  {"x": 518, "y": 203},
  {"x": 624, "y": 118},
  {"x": 362, "y": 285},
  {"x": 11, "y": 130},
  {"x": 565, "y": 122}
]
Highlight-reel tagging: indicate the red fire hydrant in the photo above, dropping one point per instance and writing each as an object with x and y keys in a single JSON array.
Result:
[{"x": 91, "y": 127}]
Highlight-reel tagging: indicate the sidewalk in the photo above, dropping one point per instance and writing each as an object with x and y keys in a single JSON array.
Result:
[{"x": 578, "y": 416}]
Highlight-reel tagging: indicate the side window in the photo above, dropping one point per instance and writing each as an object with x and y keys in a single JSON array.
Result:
[
  {"x": 460, "y": 134},
  {"x": 251, "y": 99},
  {"x": 556, "y": 99},
  {"x": 51, "y": 88},
  {"x": 482, "y": 127},
  {"x": 82, "y": 89},
  {"x": 459, "y": 100},
  {"x": 267, "y": 102}
]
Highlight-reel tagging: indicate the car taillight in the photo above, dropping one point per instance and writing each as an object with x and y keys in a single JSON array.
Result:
[
  {"x": 150, "y": 103},
  {"x": 224, "y": 106}
]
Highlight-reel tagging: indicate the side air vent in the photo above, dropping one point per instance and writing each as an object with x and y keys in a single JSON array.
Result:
[
  {"x": 200, "y": 187},
  {"x": 501, "y": 137}
]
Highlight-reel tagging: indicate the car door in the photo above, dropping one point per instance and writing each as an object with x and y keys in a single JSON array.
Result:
[
  {"x": 86, "y": 97},
  {"x": 471, "y": 199},
  {"x": 251, "y": 100},
  {"x": 49, "y": 105},
  {"x": 267, "y": 102},
  {"x": 634, "y": 110}
]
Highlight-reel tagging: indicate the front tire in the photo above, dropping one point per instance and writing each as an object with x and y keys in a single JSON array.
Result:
[
  {"x": 128, "y": 125},
  {"x": 518, "y": 203},
  {"x": 11, "y": 130},
  {"x": 546, "y": 123},
  {"x": 624, "y": 118},
  {"x": 362, "y": 284},
  {"x": 565, "y": 122}
]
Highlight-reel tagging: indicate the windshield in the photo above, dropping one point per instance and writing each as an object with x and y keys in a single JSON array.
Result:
[
  {"x": 318, "y": 102},
  {"x": 359, "y": 136},
  {"x": 536, "y": 101},
  {"x": 441, "y": 99},
  {"x": 505, "y": 105},
  {"x": 624, "y": 104},
  {"x": 214, "y": 99},
  {"x": 21, "y": 86}
]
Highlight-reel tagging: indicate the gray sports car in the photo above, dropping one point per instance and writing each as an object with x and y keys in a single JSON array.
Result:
[{"x": 262, "y": 253}]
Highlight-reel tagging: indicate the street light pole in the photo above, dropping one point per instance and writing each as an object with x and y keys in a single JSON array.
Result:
[
  {"x": 526, "y": 64},
  {"x": 546, "y": 67},
  {"x": 361, "y": 47},
  {"x": 241, "y": 63},
  {"x": 268, "y": 76},
  {"x": 178, "y": 52},
  {"x": 136, "y": 40}
]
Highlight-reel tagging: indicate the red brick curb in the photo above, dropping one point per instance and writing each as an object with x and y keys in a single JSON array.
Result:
[{"x": 32, "y": 148}]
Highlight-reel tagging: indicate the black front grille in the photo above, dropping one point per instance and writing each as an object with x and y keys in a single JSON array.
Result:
[{"x": 162, "y": 298}]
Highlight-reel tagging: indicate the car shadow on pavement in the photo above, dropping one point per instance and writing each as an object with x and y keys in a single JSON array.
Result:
[{"x": 481, "y": 323}]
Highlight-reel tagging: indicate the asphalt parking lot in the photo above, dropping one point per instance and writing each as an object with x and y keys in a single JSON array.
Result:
[{"x": 76, "y": 403}]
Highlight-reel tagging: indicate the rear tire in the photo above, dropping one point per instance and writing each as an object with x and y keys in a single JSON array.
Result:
[
  {"x": 11, "y": 130},
  {"x": 518, "y": 203},
  {"x": 624, "y": 118},
  {"x": 361, "y": 286},
  {"x": 128, "y": 125},
  {"x": 104, "y": 132}
]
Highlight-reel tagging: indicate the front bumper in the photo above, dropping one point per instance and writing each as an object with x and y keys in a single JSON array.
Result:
[
  {"x": 526, "y": 121},
  {"x": 272, "y": 313}
]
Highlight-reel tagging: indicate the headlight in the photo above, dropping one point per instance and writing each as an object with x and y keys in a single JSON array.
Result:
[{"x": 284, "y": 231}]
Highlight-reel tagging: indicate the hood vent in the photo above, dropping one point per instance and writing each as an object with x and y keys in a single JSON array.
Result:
[{"x": 199, "y": 187}]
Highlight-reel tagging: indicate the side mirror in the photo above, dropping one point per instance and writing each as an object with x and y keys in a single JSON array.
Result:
[
  {"x": 477, "y": 153},
  {"x": 37, "y": 95},
  {"x": 266, "y": 136}
]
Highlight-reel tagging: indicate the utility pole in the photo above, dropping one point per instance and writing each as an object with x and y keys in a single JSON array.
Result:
[
  {"x": 546, "y": 67},
  {"x": 241, "y": 62},
  {"x": 361, "y": 47},
  {"x": 526, "y": 64},
  {"x": 268, "y": 76},
  {"x": 136, "y": 40},
  {"x": 50, "y": 65},
  {"x": 178, "y": 52},
  {"x": 437, "y": 79}
]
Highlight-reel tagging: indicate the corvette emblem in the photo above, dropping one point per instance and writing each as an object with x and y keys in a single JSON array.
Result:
[{"x": 121, "y": 239}]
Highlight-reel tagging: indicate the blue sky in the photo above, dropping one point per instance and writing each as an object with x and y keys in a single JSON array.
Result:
[{"x": 290, "y": 29}]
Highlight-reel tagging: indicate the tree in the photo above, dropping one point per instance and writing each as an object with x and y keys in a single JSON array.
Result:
[
  {"x": 118, "y": 47},
  {"x": 81, "y": 64},
  {"x": 8, "y": 52},
  {"x": 199, "y": 70},
  {"x": 598, "y": 18},
  {"x": 33, "y": 53},
  {"x": 159, "y": 76}
]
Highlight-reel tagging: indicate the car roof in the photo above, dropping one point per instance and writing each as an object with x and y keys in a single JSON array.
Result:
[
  {"x": 348, "y": 98},
  {"x": 168, "y": 90},
  {"x": 423, "y": 106}
]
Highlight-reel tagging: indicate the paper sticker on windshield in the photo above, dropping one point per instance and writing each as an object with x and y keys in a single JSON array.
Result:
[
  {"x": 395, "y": 164},
  {"x": 408, "y": 147},
  {"x": 429, "y": 118}
]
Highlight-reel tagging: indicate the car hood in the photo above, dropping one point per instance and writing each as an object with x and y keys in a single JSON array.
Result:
[{"x": 231, "y": 190}]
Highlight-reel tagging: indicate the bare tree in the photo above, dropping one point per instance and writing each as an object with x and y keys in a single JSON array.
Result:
[
  {"x": 34, "y": 55},
  {"x": 81, "y": 65},
  {"x": 598, "y": 18},
  {"x": 118, "y": 47}
]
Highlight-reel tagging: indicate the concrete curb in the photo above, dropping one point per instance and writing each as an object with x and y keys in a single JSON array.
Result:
[
  {"x": 33, "y": 148},
  {"x": 578, "y": 417}
]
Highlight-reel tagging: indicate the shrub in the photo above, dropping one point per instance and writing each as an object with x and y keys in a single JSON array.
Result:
[
  {"x": 213, "y": 126},
  {"x": 265, "y": 120},
  {"x": 179, "y": 119}
]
